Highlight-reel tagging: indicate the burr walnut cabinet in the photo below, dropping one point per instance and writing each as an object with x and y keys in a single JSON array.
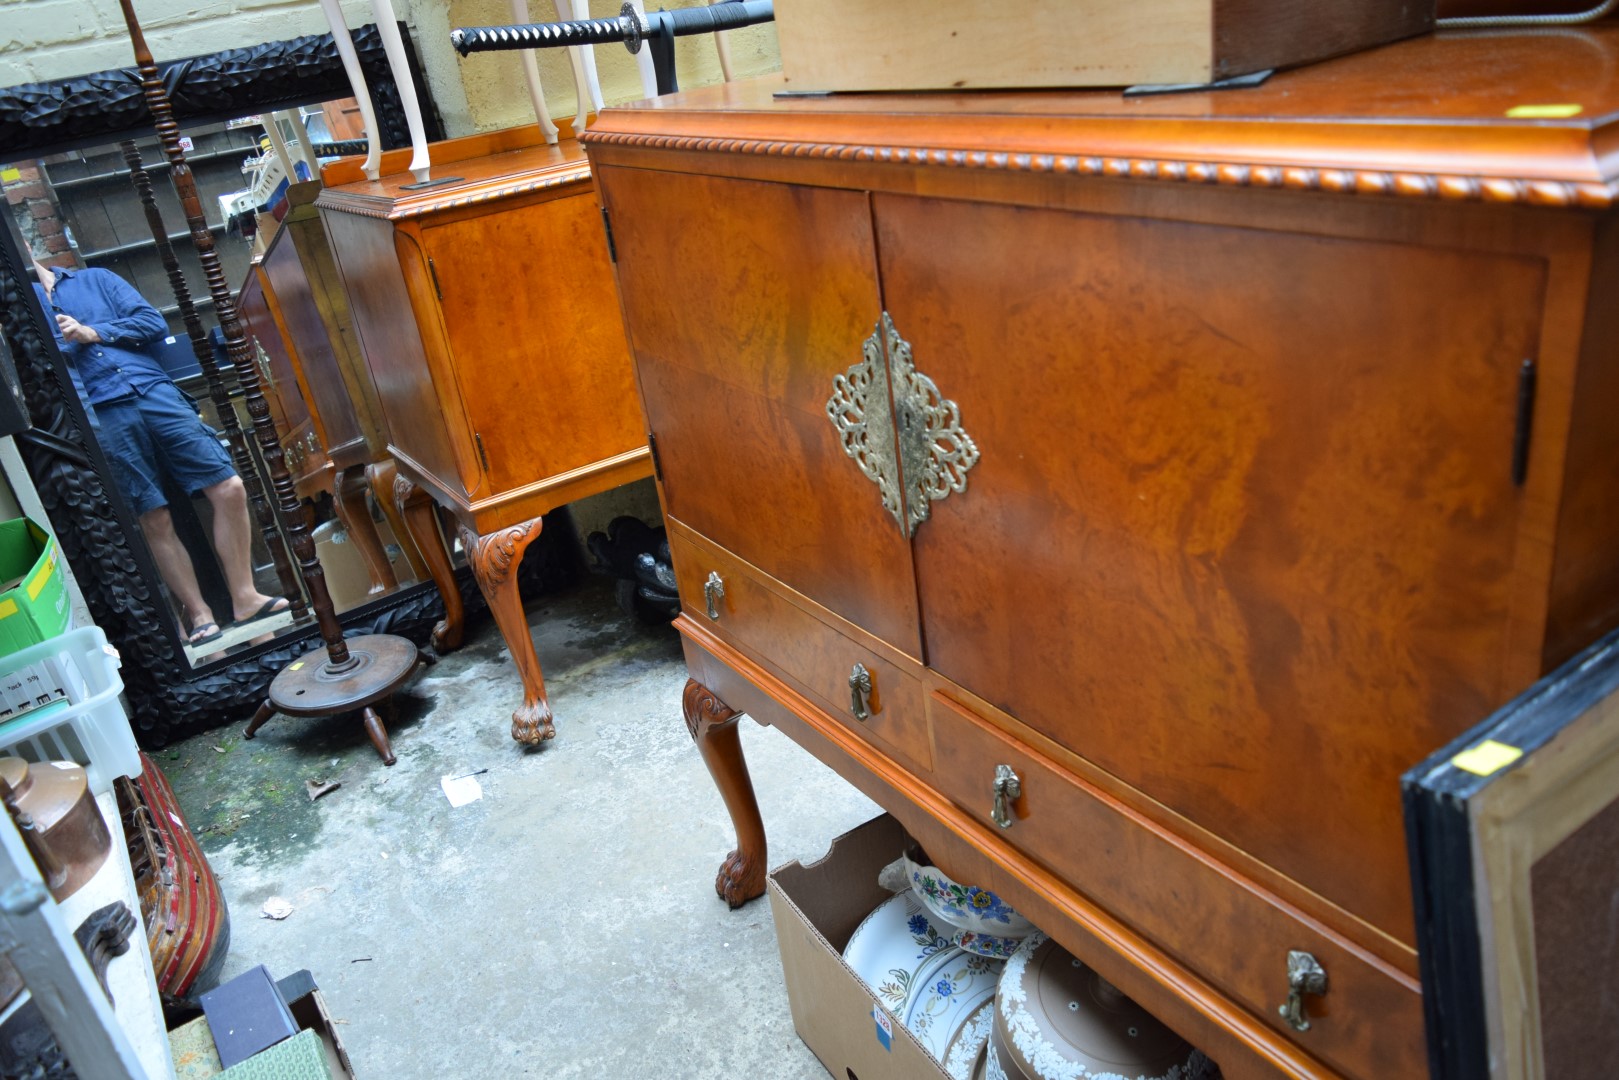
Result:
[
  {"x": 1125, "y": 492},
  {"x": 486, "y": 311}
]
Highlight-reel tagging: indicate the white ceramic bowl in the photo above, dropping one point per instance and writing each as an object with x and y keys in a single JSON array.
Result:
[{"x": 995, "y": 928}]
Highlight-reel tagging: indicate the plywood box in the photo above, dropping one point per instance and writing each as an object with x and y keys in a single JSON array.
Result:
[{"x": 979, "y": 44}]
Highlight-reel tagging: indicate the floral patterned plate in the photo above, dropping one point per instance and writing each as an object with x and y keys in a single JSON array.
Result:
[
  {"x": 947, "y": 990},
  {"x": 891, "y": 945}
]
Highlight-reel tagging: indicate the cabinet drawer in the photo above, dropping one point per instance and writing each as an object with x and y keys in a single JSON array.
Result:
[
  {"x": 1227, "y": 928},
  {"x": 779, "y": 629}
]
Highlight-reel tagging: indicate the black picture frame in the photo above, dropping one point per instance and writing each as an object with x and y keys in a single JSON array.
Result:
[
  {"x": 168, "y": 697},
  {"x": 1455, "y": 918}
]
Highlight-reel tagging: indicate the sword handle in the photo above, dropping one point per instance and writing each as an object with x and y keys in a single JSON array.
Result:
[{"x": 473, "y": 39}]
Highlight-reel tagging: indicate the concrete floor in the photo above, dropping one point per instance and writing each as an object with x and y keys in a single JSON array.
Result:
[{"x": 563, "y": 926}]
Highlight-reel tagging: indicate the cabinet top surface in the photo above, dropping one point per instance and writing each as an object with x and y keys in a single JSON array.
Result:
[
  {"x": 475, "y": 180},
  {"x": 1507, "y": 116}
]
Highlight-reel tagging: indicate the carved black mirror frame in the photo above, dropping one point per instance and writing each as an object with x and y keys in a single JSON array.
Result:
[{"x": 168, "y": 697}]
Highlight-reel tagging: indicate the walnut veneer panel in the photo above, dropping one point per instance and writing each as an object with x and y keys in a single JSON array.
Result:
[
  {"x": 743, "y": 302},
  {"x": 541, "y": 364},
  {"x": 1260, "y": 493}
]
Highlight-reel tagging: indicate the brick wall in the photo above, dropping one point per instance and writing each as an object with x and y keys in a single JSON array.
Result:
[{"x": 33, "y": 205}]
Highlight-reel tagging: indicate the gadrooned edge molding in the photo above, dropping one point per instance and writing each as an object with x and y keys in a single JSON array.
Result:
[{"x": 1494, "y": 189}]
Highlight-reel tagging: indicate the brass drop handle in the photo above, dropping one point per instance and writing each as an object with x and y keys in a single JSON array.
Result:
[
  {"x": 713, "y": 590},
  {"x": 1305, "y": 975},
  {"x": 1008, "y": 789},
  {"x": 860, "y": 692}
]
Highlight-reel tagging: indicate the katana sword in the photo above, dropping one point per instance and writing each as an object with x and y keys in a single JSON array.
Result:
[{"x": 657, "y": 29}]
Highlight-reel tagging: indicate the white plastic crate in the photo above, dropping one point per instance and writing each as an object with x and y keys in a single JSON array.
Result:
[{"x": 92, "y": 730}]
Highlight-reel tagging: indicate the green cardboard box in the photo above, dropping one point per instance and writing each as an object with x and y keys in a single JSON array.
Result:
[{"x": 33, "y": 605}]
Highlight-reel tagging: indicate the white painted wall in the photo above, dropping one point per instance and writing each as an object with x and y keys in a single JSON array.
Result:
[{"x": 43, "y": 40}]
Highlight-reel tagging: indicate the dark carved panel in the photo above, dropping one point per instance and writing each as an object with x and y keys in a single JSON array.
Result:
[{"x": 41, "y": 118}]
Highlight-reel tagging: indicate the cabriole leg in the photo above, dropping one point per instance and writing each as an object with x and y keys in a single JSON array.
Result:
[
  {"x": 494, "y": 560},
  {"x": 356, "y": 516},
  {"x": 713, "y": 727},
  {"x": 421, "y": 522}
]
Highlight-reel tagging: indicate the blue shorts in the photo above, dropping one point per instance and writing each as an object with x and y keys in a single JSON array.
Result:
[{"x": 157, "y": 433}]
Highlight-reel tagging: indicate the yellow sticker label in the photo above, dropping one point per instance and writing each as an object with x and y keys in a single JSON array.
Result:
[
  {"x": 1544, "y": 112},
  {"x": 296, "y": 666},
  {"x": 8, "y": 175},
  {"x": 43, "y": 577},
  {"x": 1487, "y": 758},
  {"x": 7, "y": 607}
]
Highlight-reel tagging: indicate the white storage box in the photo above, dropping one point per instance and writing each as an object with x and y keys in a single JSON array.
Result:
[{"x": 88, "y": 725}]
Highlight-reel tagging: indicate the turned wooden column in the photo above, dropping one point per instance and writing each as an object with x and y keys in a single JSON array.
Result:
[
  {"x": 293, "y": 513},
  {"x": 352, "y": 675},
  {"x": 240, "y": 452}
]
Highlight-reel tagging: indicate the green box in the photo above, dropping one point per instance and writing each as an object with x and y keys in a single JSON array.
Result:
[{"x": 34, "y": 608}]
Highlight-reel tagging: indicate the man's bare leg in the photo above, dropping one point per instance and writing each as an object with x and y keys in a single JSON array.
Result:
[
  {"x": 233, "y": 539},
  {"x": 174, "y": 564}
]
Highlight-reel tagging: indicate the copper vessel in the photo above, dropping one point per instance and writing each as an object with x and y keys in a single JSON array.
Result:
[{"x": 59, "y": 821}]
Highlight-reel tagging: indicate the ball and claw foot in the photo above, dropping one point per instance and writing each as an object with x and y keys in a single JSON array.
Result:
[
  {"x": 446, "y": 638},
  {"x": 531, "y": 723},
  {"x": 740, "y": 879}
]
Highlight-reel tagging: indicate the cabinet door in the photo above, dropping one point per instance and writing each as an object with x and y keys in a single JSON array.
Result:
[
  {"x": 539, "y": 352},
  {"x": 1243, "y": 528},
  {"x": 744, "y": 301}
]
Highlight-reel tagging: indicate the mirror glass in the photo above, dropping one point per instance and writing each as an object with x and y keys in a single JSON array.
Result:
[{"x": 179, "y": 438}]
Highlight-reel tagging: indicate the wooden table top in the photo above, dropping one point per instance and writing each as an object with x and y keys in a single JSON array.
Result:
[{"x": 1441, "y": 115}]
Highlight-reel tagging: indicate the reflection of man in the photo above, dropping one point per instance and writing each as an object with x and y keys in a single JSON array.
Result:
[{"x": 150, "y": 429}]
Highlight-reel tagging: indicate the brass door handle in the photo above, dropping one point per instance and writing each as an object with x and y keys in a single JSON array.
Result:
[
  {"x": 713, "y": 590},
  {"x": 1008, "y": 789},
  {"x": 1305, "y": 975},
  {"x": 860, "y": 692}
]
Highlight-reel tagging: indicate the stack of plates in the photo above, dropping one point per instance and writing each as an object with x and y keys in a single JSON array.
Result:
[
  {"x": 1056, "y": 1019},
  {"x": 940, "y": 991}
]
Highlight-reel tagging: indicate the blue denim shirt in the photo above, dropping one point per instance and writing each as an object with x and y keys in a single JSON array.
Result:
[{"x": 117, "y": 367}]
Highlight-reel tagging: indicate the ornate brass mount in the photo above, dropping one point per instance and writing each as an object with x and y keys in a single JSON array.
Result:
[
  {"x": 913, "y": 446},
  {"x": 1305, "y": 975}
]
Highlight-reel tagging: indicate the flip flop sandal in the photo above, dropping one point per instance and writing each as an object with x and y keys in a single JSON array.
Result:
[
  {"x": 198, "y": 637},
  {"x": 269, "y": 608}
]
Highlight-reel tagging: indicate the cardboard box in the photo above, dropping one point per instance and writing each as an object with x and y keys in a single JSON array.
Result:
[
  {"x": 1013, "y": 44},
  {"x": 34, "y": 608},
  {"x": 816, "y": 908},
  {"x": 195, "y": 1057}
]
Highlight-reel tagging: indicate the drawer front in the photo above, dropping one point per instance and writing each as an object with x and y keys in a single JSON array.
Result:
[
  {"x": 1233, "y": 933},
  {"x": 764, "y": 619}
]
